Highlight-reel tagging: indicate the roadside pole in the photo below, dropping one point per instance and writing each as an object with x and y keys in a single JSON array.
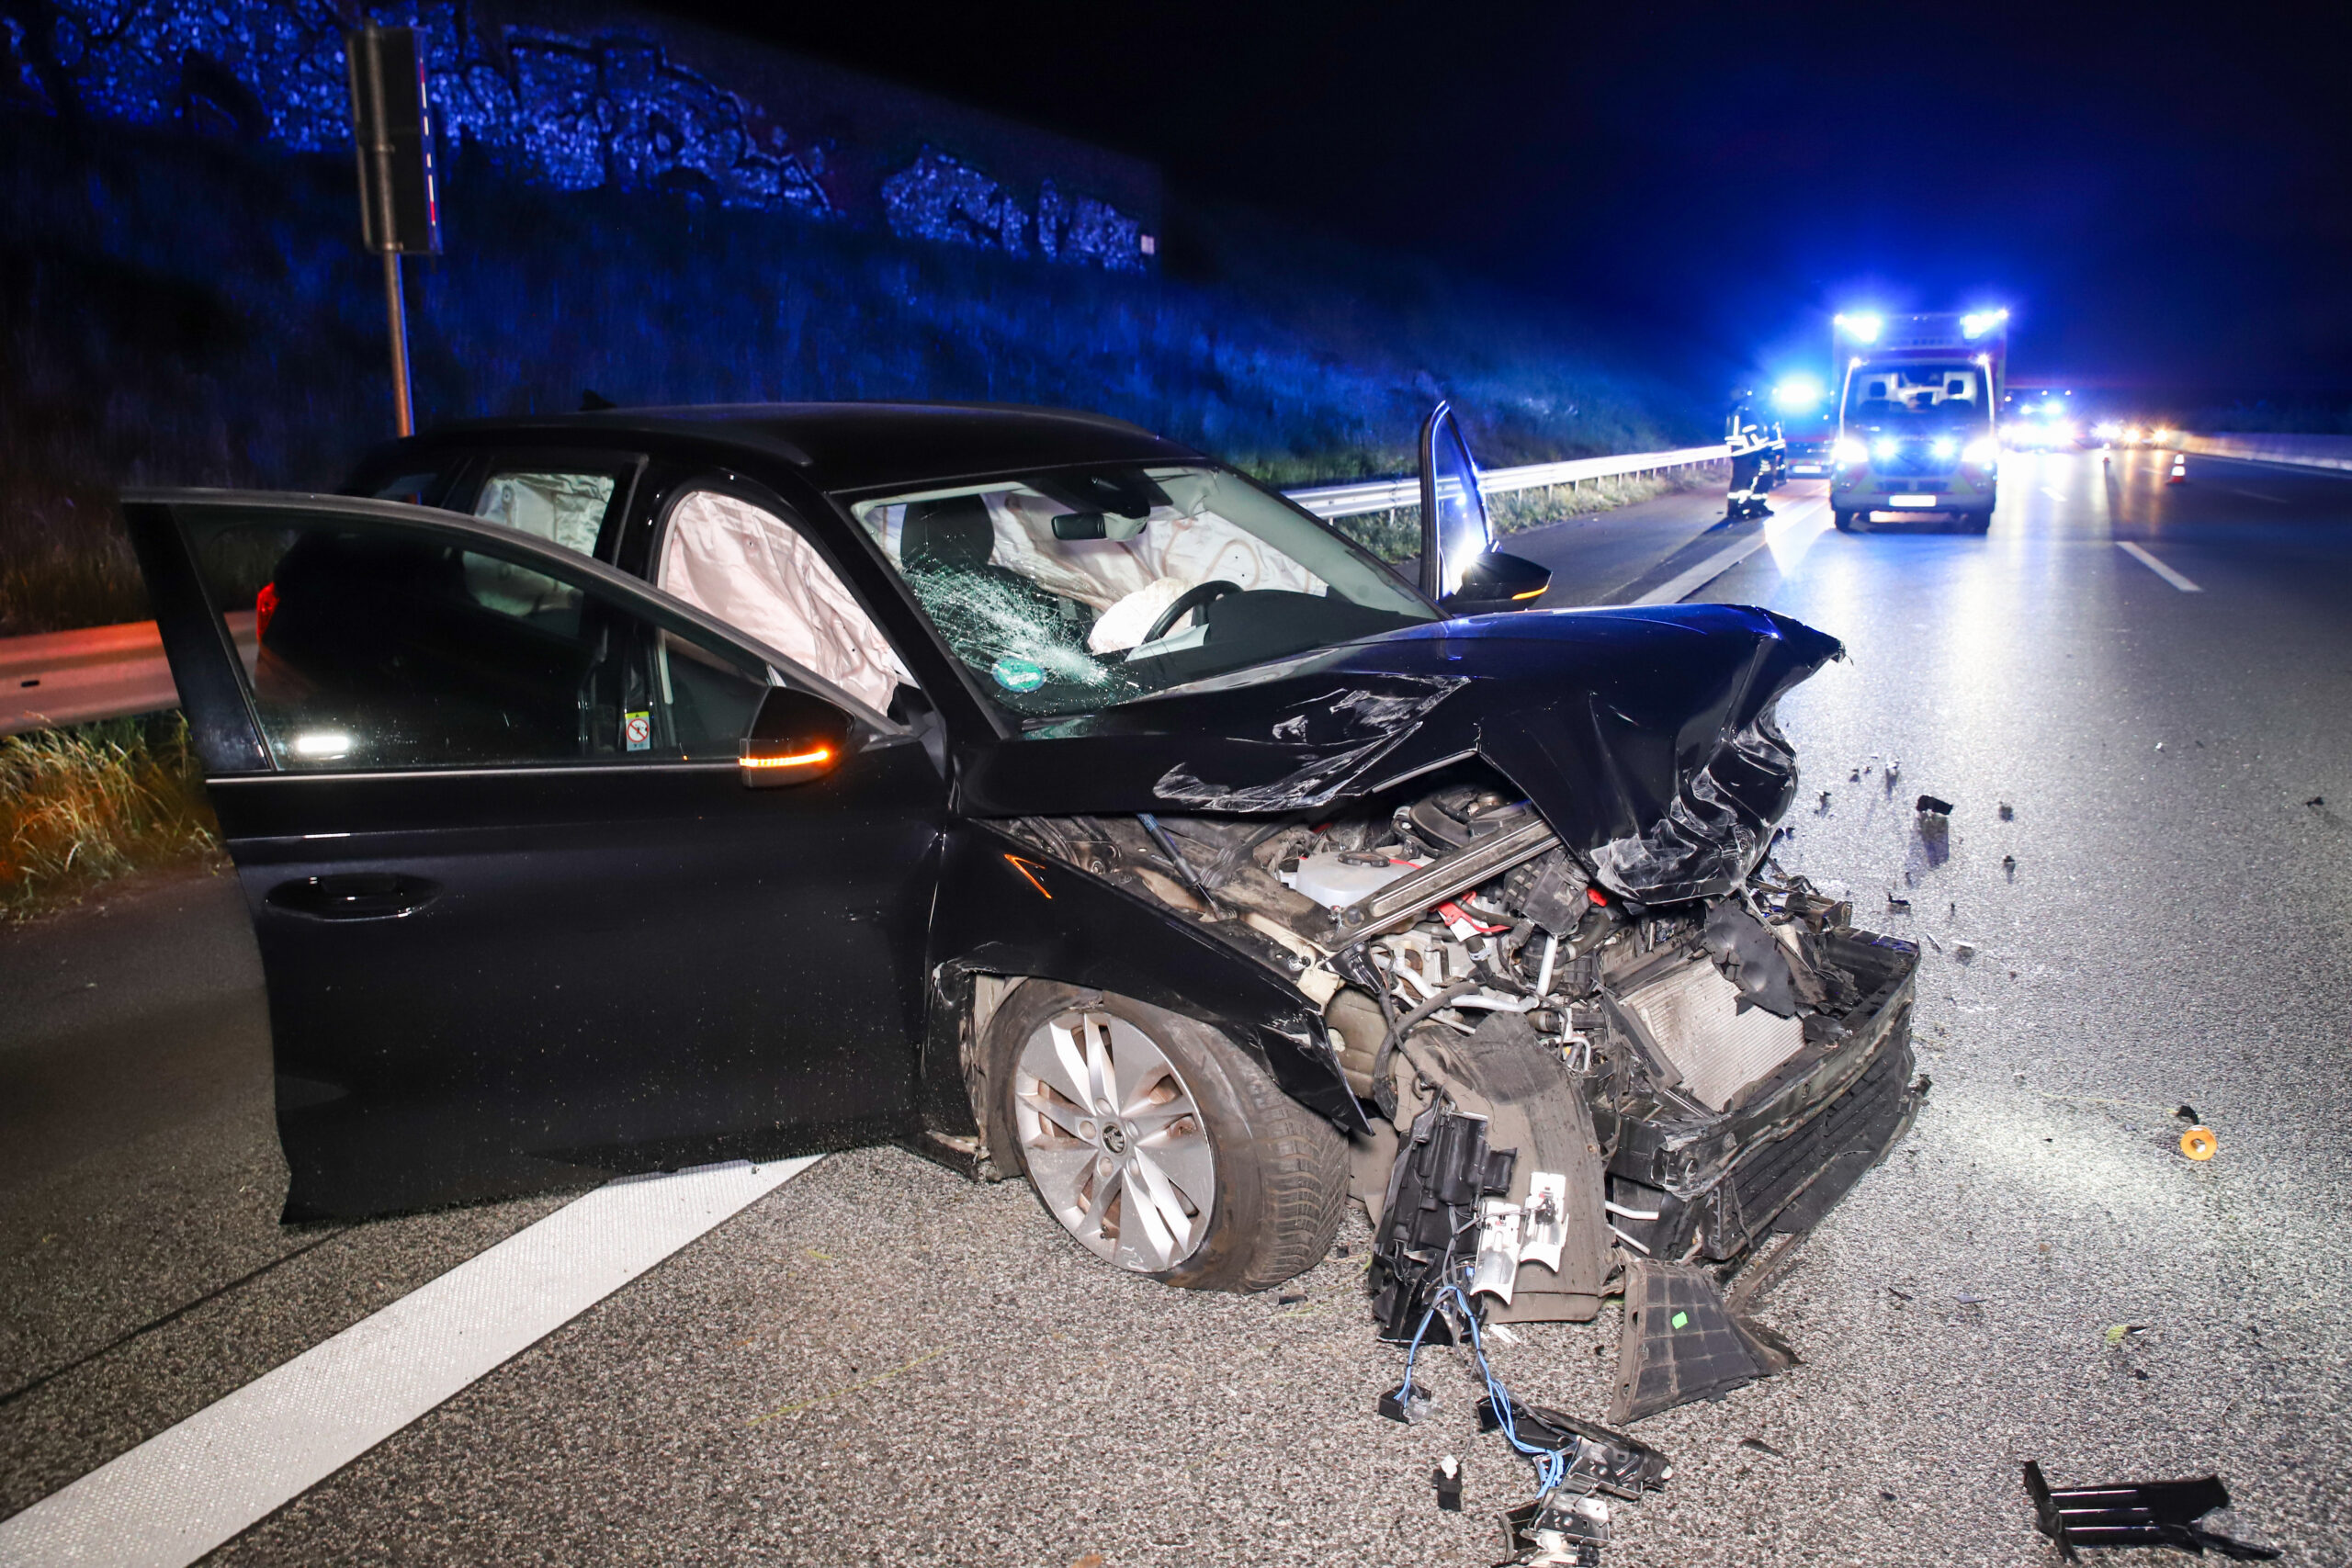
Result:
[{"x": 399, "y": 209}]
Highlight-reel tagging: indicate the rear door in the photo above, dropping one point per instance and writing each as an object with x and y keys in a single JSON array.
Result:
[
  {"x": 521, "y": 923},
  {"x": 1454, "y": 529}
]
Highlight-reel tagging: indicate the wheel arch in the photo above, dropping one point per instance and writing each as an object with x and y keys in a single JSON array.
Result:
[{"x": 1004, "y": 910}]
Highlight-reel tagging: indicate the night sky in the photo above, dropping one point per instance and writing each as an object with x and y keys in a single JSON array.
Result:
[{"x": 2164, "y": 200}]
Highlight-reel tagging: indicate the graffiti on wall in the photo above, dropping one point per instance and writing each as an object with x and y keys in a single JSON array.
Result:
[{"x": 611, "y": 111}]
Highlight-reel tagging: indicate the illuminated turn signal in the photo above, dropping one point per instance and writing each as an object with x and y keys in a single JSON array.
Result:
[
  {"x": 1533, "y": 592},
  {"x": 795, "y": 737},
  {"x": 816, "y": 758}
]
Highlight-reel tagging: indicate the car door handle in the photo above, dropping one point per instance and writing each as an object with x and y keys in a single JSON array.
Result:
[{"x": 355, "y": 896}]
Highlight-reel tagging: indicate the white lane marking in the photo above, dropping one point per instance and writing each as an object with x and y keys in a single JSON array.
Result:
[
  {"x": 2273, "y": 500},
  {"x": 2051, "y": 494},
  {"x": 1672, "y": 590},
  {"x": 187, "y": 1490},
  {"x": 2159, "y": 567}
]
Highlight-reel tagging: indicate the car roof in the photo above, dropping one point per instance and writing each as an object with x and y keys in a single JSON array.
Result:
[{"x": 858, "y": 446}]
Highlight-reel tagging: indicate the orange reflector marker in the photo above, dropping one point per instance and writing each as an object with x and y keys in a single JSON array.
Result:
[
  {"x": 1023, "y": 867},
  {"x": 797, "y": 759},
  {"x": 2198, "y": 1142}
]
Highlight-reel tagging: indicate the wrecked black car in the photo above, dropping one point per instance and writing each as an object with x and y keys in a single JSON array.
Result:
[{"x": 1111, "y": 821}]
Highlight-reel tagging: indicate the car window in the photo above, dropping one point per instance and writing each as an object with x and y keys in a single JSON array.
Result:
[
  {"x": 565, "y": 509},
  {"x": 380, "y": 646},
  {"x": 1074, "y": 588},
  {"x": 754, "y": 570}
]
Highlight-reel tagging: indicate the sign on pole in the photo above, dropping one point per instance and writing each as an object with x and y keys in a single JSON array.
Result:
[{"x": 400, "y": 209}]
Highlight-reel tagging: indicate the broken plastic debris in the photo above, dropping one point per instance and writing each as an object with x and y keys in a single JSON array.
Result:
[
  {"x": 2188, "y": 1114},
  {"x": 2198, "y": 1142},
  {"x": 2316, "y": 800},
  {"x": 1963, "y": 951},
  {"x": 2009, "y": 864},
  {"x": 1447, "y": 1479},
  {"x": 1406, "y": 1404},
  {"x": 2008, "y": 812},
  {"x": 2135, "y": 1513},
  {"x": 2116, "y": 1331},
  {"x": 1761, "y": 1447},
  {"x": 1930, "y": 805},
  {"x": 1901, "y": 904}
]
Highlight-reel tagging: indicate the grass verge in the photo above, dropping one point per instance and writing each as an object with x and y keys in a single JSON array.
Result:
[{"x": 84, "y": 805}]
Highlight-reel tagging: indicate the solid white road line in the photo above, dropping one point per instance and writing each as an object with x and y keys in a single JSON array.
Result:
[
  {"x": 187, "y": 1490},
  {"x": 2273, "y": 500},
  {"x": 1674, "y": 590},
  {"x": 2159, "y": 567},
  {"x": 2051, "y": 494}
]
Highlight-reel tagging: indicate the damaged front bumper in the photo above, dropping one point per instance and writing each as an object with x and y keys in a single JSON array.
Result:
[{"x": 1709, "y": 1188}]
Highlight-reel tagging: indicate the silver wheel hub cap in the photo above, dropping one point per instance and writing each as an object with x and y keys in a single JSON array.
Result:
[{"x": 1114, "y": 1140}]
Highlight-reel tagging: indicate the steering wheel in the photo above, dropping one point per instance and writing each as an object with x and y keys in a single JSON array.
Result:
[{"x": 1191, "y": 598}]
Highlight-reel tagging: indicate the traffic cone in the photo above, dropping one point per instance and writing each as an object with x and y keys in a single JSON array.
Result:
[{"x": 2179, "y": 469}]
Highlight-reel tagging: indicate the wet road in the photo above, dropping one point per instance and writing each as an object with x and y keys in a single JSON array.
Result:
[{"x": 879, "y": 1362}]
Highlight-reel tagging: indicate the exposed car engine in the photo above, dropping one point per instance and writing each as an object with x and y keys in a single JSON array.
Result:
[{"x": 1565, "y": 1088}]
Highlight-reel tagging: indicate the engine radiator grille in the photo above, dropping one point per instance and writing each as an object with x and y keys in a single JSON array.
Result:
[{"x": 1693, "y": 1013}]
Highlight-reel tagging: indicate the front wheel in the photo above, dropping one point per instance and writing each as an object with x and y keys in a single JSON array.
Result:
[
  {"x": 1158, "y": 1143},
  {"x": 1845, "y": 521}
]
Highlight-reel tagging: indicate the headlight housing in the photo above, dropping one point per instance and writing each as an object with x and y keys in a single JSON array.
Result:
[
  {"x": 1945, "y": 448},
  {"x": 1985, "y": 452},
  {"x": 1848, "y": 451},
  {"x": 1883, "y": 448}
]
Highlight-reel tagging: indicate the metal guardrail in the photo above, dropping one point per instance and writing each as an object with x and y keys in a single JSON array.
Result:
[
  {"x": 1387, "y": 495},
  {"x": 60, "y": 678}
]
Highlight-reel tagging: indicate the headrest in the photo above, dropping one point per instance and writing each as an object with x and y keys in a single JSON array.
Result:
[{"x": 953, "y": 534}]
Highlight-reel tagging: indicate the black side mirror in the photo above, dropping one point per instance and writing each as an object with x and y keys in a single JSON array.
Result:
[
  {"x": 1496, "y": 582},
  {"x": 795, "y": 737}
]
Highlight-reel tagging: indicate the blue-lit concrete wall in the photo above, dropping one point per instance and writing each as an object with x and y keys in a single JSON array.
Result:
[{"x": 586, "y": 97}]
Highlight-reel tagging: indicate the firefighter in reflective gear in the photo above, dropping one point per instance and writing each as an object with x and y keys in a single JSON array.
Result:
[{"x": 1759, "y": 460}]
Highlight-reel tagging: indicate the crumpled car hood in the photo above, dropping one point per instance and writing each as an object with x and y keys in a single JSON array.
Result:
[{"x": 1644, "y": 736}]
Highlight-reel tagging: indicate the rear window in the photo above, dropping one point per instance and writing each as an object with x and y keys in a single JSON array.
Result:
[{"x": 565, "y": 509}]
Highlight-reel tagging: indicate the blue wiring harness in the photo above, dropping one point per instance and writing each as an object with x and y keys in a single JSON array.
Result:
[{"x": 1551, "y": 1464}]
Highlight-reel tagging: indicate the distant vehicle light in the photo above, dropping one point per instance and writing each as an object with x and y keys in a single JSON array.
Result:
[
  {"x": 2108, "y": 430},
  {"x": 1848, "y": 450},
  {"x": 1984, "y": 452},
  {"x": 1978, "y": 322},
  {"x": 1863, "y": 329},
  {"x": 1945, "y": 448},
  {"x": 1882, "y": 448},
  {"x": 1797, "y": 394}
]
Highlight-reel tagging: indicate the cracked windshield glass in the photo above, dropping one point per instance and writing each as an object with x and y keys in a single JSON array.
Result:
[{"x": 1077, "y": 589}]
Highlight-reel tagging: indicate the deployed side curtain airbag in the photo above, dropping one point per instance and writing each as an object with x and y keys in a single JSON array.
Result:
[{"x": 752, "y": 570}]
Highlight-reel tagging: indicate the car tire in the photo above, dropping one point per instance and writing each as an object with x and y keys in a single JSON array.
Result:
[
  {"x": 1846, "y": 522},
  {"x": 1270, "y": 1176},
  {"x": 1977, "y": 522}
]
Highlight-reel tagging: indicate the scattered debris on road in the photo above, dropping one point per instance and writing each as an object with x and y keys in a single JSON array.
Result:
[
  {"x": 2135, "y": 1513},
  {"x": 2008, "y": 812},
  {"x": 1929, "y": 806},
  {"x": 1447, "y": 1480},
  {"x": 2198, "y": 1142},
  {"x": 2116, "y": 1332}
]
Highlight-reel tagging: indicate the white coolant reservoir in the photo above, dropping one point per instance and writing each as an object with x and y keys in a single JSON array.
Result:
[{"x": 1338, "y": 880}]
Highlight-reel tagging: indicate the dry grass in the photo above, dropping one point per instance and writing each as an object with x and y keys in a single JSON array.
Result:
[{"x": 81, "y": 806}]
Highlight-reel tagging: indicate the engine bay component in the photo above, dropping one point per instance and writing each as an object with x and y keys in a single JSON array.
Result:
[
  {"x": 1443, "y": 1173},
  {"x": 2135, "y": 1513},
  {"x": 1599, "y": 1460}
]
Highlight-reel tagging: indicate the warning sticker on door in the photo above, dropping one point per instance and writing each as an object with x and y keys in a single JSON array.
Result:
[{"x": 637, "y": 731}]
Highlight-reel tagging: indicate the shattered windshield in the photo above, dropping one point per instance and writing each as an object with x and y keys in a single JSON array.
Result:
[
  {"x": 1076, "y": 589},
  {"x": 1917, "y": 397}
]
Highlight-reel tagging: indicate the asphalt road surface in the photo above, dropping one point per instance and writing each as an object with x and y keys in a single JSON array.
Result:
[{"x": 878, "y": 1362}]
